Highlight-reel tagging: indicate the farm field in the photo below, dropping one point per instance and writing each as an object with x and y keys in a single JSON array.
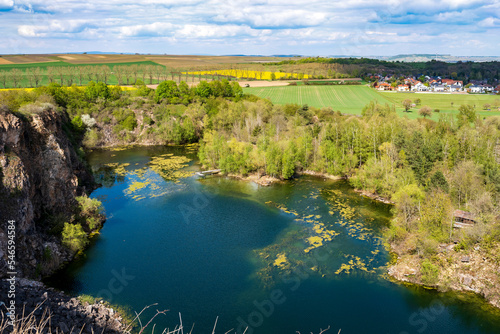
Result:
[
  {"x": 448, "y": 103},
  {"x": 352, "y": 99},
  {"x": 347, "y": 99}
]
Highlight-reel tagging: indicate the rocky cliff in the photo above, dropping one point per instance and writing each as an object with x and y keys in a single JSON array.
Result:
[{"x": 40, "y": 176}]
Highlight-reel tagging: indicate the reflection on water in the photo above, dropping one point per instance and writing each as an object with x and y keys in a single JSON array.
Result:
[{"x": 296, "y": 256}]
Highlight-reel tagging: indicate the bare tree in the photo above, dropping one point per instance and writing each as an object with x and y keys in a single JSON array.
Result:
[
  {"x": 81, "y": 72},
  {"x": 134, "y": 70},
  {"x": 4, "y": 76},
  {"x": 51, "y": 73},
  {"x": 29, "y": 70},
  {"x": 117, "y": 71},
  {"x": 37, "y": 76},
  {"x": 149, "y": 69},
  {"x": 70, "y": 74},
  {"x": 143, "y": 72},
  {"x": 16, "y": 76},
  {"x": 105, "y": 73},
  {"x": 60, "y": 72},
  {"x": 89, "y": 73},
  {"x": 158, "y": 72}
]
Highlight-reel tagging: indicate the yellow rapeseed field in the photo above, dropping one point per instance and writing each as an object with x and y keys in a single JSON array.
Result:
[{"x": 259, "y": 75}]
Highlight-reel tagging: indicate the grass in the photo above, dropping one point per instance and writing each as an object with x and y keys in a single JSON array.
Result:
[
  {"x": 351, "y": 99},
  {"x": 443, "y": 102},
  {"x": 346, "y": 98}
]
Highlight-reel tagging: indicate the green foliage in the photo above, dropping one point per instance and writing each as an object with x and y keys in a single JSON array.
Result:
[
  {"x": 93, "y": 91},
  {"x": 438, "y": 181},
  {"x": 74, "y": 237},
  {"x": 126, "y": 119},
  {"x": 429, "y": 272},
  {"x": 147, "y": 120},
  {"x": 467, "y": 114},
  {"x": 166, "y": 90},
  {"x": 203, "y": 89}
]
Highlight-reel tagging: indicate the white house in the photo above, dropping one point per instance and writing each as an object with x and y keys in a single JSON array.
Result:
[
  {"x": 455, "y": 88},
  {"x": 439, "y": 88},
  {"x": 476, "y": 89},
  {"x": 419, "y": 87}
]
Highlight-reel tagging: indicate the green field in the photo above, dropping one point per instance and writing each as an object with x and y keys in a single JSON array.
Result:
[
  {"x": 443, "y": 102},
  {"x": 347, "y": 99},
  {"x": 43, "y": 66},
  {"x": 352, "y": 99}
]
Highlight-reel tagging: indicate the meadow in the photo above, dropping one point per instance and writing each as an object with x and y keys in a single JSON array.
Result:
[
  {"x": 345, "y": 98},
  {"x": 448, "y": 103},
  {"x": 351, "y": 99}
]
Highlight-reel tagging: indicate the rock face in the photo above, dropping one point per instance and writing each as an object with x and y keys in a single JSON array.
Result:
[
  {"x": 40, "y": 175},
  {"x": 67, "y": 315}
]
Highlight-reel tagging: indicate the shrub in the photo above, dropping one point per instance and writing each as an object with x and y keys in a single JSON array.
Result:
[
  {"x": 89, "y": 206},
  {"x": 129, "y": 123},
  {"x": 429, "y": 272},
  {"x": 74, "y": 237},
  {"x": 147, "y": 120},
  {"x": 92, "y": 138}
]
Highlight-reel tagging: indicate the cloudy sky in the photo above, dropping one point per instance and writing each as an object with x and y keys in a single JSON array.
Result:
[{"x": 216, "y": 27}]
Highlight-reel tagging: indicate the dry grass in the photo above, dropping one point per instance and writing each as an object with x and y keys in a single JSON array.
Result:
[{"x": 27, "y": 59}]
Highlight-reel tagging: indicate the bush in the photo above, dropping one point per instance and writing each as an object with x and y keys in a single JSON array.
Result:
[
  {"x": 429, "y": 272},
  {"x": 74, "y": 237},
  {"x": 89, "y": 206},
  {"x": 147, "y": 120},
  {"x": 129, "y": 123}
]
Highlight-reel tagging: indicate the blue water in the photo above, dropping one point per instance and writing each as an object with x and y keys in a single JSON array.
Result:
[{"x": 206, "y": 248}]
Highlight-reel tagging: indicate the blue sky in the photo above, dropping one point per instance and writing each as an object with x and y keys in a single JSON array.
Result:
[{"x": 307, "y": 27}]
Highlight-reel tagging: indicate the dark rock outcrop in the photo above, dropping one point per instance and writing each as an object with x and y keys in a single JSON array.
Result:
[
  {"x": 40, "y": 176},
  {"x": 64, "y": 314}
]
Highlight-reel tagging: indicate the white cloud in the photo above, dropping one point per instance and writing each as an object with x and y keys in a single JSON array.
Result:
[
  {"x": 6, "y": 4},
  {"x": 490, "y": 22},
  {"x": 54, "y": 27},
  {"x": 270, "y": 26},
  {"x": 153, "y": 29}
]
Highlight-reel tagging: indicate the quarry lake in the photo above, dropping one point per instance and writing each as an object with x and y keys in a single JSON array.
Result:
[{"x": 300, "y": 255}]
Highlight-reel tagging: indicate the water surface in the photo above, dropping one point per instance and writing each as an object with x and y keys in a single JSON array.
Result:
[{"x": 297, "y": 256}]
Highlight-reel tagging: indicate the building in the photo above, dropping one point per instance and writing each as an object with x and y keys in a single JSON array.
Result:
[
  {"x": 463, "y": 219},
  {"x": 476, "y": 89}
]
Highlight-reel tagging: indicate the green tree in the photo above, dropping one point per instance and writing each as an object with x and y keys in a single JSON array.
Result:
[
  {"x": 93, "y": 91},
  {"x": 166, "y": 90},
  {"x": 203, "y": 89},
  {"x": 408, "y": 200},
  {"x": 467, "y": 113}
]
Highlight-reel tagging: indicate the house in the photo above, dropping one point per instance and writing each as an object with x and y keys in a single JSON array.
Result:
[
  {"x": 451, "y": 82},
  {"x": 455, "y": 88},
  {"x": 463, "y": 219},
  {"x": 439, "y": 88},
  {"x": 419, "y": 87},
  {"x": 384, "y": 86},
  {"x": 403, "y": 88},
  {"x": 488, "y": 88},
  {"x": 476, "y": 89}
]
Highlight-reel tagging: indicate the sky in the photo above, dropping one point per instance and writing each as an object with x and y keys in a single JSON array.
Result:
[{"x": 258, "y": 27}]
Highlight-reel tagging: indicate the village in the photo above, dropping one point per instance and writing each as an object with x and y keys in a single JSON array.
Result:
[{"x": 434, "y": 85}]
